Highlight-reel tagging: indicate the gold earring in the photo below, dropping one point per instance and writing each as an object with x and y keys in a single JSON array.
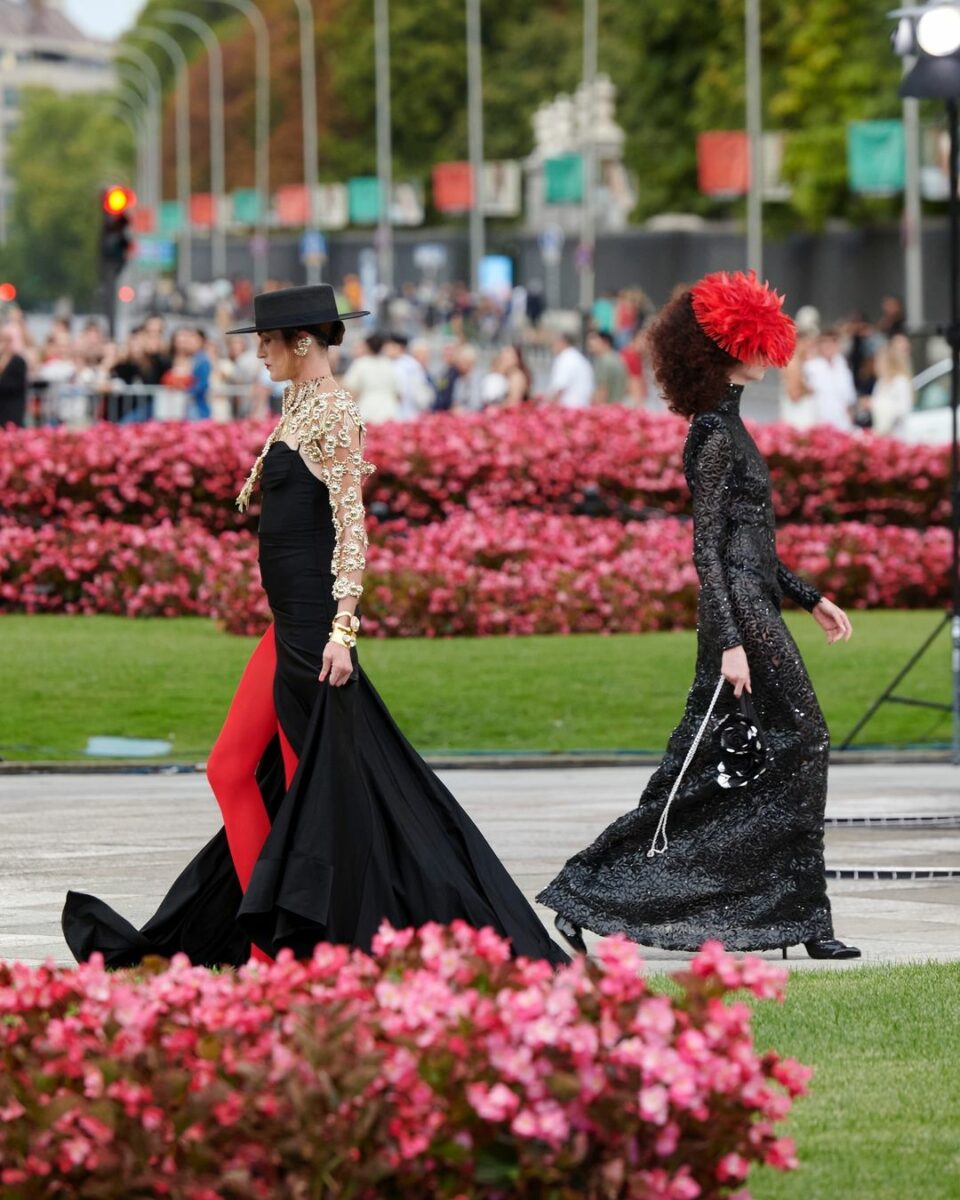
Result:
[{"x": 302, "y": 348}]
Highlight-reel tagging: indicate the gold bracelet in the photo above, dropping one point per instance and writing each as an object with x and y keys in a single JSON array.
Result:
[
  {"x": 351, "y": 621},
  {"x": 343, "y": 637}
]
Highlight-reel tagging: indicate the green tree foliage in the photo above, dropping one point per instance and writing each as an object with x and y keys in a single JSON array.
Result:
[{"x": 64, "y": 151}]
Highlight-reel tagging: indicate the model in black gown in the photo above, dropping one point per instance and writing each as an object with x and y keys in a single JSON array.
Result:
[
  {"x": 365, "y": 832},
  {"x": 744, "y": 865}
]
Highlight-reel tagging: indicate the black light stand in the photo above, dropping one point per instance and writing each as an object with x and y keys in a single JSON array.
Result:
[{"x": 940, "y": 78}]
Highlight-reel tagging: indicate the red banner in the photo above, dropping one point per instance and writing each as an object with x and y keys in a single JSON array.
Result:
[
  {"x": 452, "y": 187},
  {"x": 203, "y": 210},
  {"x": 144, "y": 219},
  {"x": 723, "y": 163},
  {"x": 292, "y": 204}
]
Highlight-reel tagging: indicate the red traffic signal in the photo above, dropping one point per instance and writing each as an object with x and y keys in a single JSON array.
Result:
[
  {"x": 7, "y": 292},
  {"x": 118, "y": 199}
]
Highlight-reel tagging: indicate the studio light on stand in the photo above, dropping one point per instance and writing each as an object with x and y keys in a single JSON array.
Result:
[{"x": 929, "y": 34}]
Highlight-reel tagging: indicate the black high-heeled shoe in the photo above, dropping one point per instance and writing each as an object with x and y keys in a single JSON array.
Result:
[
  {"x": 828, "y": 948},
  {"x": 571, "y": 933}
]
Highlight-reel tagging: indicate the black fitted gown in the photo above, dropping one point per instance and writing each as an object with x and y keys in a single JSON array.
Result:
[
  {"x": 366, "y": 831},
  {"x": 744, "y": 865}
]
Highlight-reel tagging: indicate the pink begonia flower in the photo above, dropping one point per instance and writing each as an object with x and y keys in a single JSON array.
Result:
[
  {"x": 732, "y": 1167},
  {"x": 793, "y": 1076},
  {"x": 493, "y": 1104},
  {"x": 712, "y": 959},
  {"x": 782, "y": 1155},
  {"x": 654, "y": 1104}
]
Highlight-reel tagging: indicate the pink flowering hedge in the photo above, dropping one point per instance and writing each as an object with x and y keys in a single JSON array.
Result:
[
  {"x": 475, "y": 573},
  {"x": 437, "y": 1067},
  {"x": 541, "y": 458}
]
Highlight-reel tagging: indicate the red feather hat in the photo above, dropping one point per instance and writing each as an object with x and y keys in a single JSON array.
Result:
[{"x": 744, "y": 317}]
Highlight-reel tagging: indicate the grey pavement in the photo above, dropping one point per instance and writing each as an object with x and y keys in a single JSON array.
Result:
[{"x": 124, "y": 837}]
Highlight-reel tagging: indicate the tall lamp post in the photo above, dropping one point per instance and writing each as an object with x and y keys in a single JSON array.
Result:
[
  {"x": 930, "y": 33},
  {"x": 129, "y": 59},
  {"x": 261, "y": 35},
  {"x": 172, "y": 48},
  {"x": 384, "y": 150},
  {"x": 308, "y": 92},
  {"x": 218, "y": 235},
  {"x": 128, "y": 90},
  {"x": 475, "y": 141}
]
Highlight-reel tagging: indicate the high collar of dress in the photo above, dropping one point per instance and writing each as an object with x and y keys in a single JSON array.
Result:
[{"x": 731, "y": 399}]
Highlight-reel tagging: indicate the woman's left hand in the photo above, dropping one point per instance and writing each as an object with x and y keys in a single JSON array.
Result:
[
  {"x": 831, "y": 618},
  {"x": 337, "y": 665}
]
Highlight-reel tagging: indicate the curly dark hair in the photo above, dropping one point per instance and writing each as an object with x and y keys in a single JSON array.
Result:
[
  {"x": 690, "y": 367},
  {"x": 330, "y": 334}
]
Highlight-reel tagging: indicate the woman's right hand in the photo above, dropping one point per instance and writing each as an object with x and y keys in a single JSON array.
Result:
[{"x": 736, "y": 669}]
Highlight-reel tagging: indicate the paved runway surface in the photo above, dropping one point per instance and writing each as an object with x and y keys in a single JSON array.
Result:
[{"x": 124, "y": 837}]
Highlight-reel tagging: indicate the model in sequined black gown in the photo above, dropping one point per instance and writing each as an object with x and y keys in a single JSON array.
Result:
[
  {"x": 365, "y": 831},
  {"x": 744, "y": 866}
]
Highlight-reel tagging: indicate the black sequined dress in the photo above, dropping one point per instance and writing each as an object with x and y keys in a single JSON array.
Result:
[{"x": 745, "y": 865}]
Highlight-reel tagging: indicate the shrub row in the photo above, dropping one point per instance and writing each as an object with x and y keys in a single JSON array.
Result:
[
  {"x": 474, "y": 573},
  {"x": 607, "y": 460},
  {"x": 437, "y": 1067}
]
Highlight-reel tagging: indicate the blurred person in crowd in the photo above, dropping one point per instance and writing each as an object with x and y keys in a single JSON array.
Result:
[
  {"x": 828, "y": 377},
  {"x": 352, "y": 291},
  {"x": 447, "y": 377},
  {"x": 183, "y": 350},
  {"x": 893, "y": 317},
  {"x": 467, "y": 387},
  {"x": 420, "y": 349},
  {"x": 13, "y": 376},
  {"x": 201, "y": 369},
  {"x": 133, "y": 365},
  {"x": 239, "y": 367},
  {"x": 742, "y": 862},
  {"x": 891, "y": 401},
  {"x": 862, "y": 342},
  {"x": 332, "y": 823},
  {"x": 156, "y": 345},
  {"x": 603, "y": 315},
  {"x": 536, "y": 303},
  {"x": 508, "y": 380},
  {"x": 372, "y": 381},
  {"x": 633, "y": 355},
  {"x": 798, "y": 406},
  {"x": 571, "y": 376},
  {"x": 610, "y": 380},
  {"x": 414, "y": 390}
]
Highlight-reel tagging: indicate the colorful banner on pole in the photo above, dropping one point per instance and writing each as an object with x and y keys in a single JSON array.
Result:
[
  {"x": 723, "y": 163},
  {"x": 364, "y": 199},
  {"x": 246, "y": 206},
  {"x": 564, "y": 179},
  {"x": 333, "y": 207},
  {"x": 452, "y": 187},
  {"x": 876, "y": 157},
  {"x": 292, "y": 205},
  {"x": 203, "y": 210},
  {"x": 171, "y": 217}
]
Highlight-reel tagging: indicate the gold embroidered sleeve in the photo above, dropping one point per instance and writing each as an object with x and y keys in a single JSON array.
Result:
[{"x": 335, "y": 443}]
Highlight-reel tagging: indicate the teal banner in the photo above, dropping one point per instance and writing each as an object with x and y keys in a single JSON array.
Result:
[
  {"x": 171, "y": 218},
  {"x": 876, "y": 158},
  {"x": 564, "y": 179},
  {"x": 246, "y": 206},
  {"x": 363, "y": 197}
]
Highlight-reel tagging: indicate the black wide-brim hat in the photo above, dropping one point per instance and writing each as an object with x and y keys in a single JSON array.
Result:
[{"x": 296, "y": 308}]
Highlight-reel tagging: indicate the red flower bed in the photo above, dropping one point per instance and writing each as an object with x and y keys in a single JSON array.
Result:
[
  {"x": 542, "y": 458},
  {"x": 439, "y": 1067},
  {"x": 475, "y": 573}
]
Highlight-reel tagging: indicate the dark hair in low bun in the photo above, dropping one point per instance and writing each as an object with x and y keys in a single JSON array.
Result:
[
  {"x": 330, "y": 334},
  {"x": 690, "y": 367}
]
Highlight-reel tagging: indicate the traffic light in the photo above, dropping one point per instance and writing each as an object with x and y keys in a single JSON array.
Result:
[
  {"x": 8, "y": 293},
  {"x": 115, "y": 240}
]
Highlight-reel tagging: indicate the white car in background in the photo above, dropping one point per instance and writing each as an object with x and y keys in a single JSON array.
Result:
[{"x": 929, "y": 423}]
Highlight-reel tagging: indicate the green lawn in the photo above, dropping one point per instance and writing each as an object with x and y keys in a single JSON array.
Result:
[
  {"x": 880, "y": 1122},
  {"x": 67, "y": 678}
]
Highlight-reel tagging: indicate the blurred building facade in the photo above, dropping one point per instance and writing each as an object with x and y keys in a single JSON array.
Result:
[{"x": 41, "y": 47}]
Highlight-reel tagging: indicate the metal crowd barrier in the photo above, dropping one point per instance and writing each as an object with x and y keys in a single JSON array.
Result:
[{"x": 77, "y": 405}]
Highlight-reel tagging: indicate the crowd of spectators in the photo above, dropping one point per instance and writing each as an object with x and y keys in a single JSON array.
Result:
[
  {"x": 427, "y": 348},
  {"x": 854, "y": 375}
]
